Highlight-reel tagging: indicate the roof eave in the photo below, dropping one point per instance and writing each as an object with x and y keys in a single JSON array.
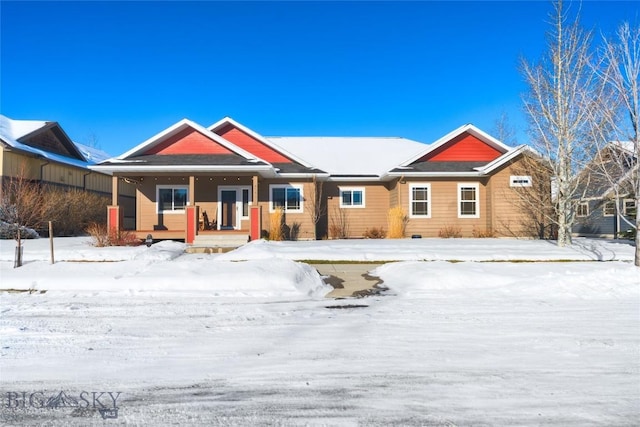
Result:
[{"x": 179, "y": 168}]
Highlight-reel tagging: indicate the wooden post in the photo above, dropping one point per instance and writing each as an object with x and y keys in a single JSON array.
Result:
[{"x": 51, "y": 241}]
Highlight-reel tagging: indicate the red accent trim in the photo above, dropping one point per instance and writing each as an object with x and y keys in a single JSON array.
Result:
[
  {"x": 192, "y": 223},
  {"x": 252, "y": 145},
  {"x": 256, "y": 222},
  {"x": 189, "y": 141},
  {"x": 463, "y": 148},
  {"x": 113, "y": 218}
]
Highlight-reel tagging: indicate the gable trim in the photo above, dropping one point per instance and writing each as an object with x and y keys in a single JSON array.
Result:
[
  {"x": 178, "y": 127},
  {"x": 229, "y": 121},
  {"x": 469, "y": 128}
]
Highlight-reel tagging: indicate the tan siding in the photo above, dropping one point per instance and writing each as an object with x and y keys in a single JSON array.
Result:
[
  {"x": 444, "y": 208},
  {"x": 359, "y": 220},
  {"x": 511, "y": 218},
  {"x": 303, "y": 220}
]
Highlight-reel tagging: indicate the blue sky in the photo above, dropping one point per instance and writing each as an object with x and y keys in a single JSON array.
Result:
[{"x": 124, "y": 71}]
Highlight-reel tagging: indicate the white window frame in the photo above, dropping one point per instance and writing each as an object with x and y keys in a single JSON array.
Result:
[
  {"x": 582, "y": 204},
  {"x": 285, "y": 186},
  {"x": 475, "y": 186},
  {"x": 172, "y": 187},
  {"x": 428, "y": 201},
  {"x": 351, "y": 190},
  {"x": 632, "y": 203},
  {"x": 604, "y": 208},
  {"x": 520, "y": 181}
]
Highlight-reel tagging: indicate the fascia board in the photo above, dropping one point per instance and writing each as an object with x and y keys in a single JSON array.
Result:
[{"x": 253, "y": 134}]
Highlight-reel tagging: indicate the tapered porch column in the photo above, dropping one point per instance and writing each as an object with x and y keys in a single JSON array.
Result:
[{"x": 114, "y": 212}]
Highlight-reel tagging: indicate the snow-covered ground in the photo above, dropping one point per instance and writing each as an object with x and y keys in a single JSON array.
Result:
[{"x": 245, "y": 338}]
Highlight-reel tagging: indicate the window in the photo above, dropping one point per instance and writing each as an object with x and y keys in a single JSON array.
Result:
[
  {"x": 630, "y": 209},
  {"x": 287, "y": 197},
  {"x": 609, "y": 209},
  {"x": 582, "y": 209},
  {"x": 468, "y": 195},
  {"x": 420, "y": 200},
  {"x": 351, "y": 197},
  {"x": 171, "y": 199},
  {"x": 519, "y": 181}
]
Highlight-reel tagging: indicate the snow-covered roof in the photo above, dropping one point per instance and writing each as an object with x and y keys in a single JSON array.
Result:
[
  {"x": 11, "y": 130},
  {"x": 351, "y": 156},
  {"x": 92, "y": 154}
]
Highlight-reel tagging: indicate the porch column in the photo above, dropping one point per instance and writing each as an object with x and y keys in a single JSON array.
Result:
[
  {"x": 114, "y": 213},
  {"x": 255, "y": 222},
  {"x": 254, "y": 188},
  {"x": 192, "y": 190},
  {"x": 114, "y": 190},
  {"x": 192, "y": 224}
]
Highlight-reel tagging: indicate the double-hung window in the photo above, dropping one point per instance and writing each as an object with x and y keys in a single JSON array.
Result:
[
  {"x": 468, "y": 201},
  {"x": 582, "y": 209},
  {"x": 420, "y": 200},
  {"x": 630, "y": 208},
  {"x": 352, "y": 197},
  {"x": 172, "y": 198},
  {"x": 609, "y": 209},
  {"x": 287, "y": 197}
]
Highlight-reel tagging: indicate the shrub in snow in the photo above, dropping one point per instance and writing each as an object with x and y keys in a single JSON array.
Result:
[
  {"x": 375, "y": 233},
  {"x": 9, "y": 231},
  {"x": 103, "y": 237},
  {"x": 398, "y": 220},
  {"x": 449, "y": 231}
]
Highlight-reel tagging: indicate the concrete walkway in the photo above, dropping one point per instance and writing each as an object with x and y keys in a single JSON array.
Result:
[{"x": 348, "y": 280}]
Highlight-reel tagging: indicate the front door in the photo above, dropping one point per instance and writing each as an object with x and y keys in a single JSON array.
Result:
[
  {"x": 229, "y": 209},
  {"x": 233, "y": 206}
]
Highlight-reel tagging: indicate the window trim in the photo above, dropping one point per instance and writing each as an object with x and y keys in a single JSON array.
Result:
[
  {"x": 426, "y": 185},
  {"x": 475, "y": 186},
  {"x": 299, "y": 187},
  {"x": 172, "y": 187},
  {"x": 604, "y": 209},
  {"x": 624, "y": 207},
  {"x": 582, "y": 204},
  {"x": 352, "y": 189},
  {"x": 527, "y": 178}
]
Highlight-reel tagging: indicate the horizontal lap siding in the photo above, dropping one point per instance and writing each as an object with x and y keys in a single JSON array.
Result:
[
  {"x": 252, "y": 145},
  {"x": 303, "y": 219},
  {"x": 147, "y": 217},
  {"x": 359, "y": 220},
  {"x": 444, "y": 209},
  {"x": 189, "y": 141}
]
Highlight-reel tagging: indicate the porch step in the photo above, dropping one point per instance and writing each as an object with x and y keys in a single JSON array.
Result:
[{"x": 222, "y": 240}]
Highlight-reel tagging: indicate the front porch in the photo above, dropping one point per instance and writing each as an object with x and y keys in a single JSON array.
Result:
[{"x": 199, "y": 209}]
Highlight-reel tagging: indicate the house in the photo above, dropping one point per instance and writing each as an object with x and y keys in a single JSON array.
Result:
[
  {"x": 606, "y": 206},
  {"x": 41, "y": 151},
  {"x": 238, "y": 177}
]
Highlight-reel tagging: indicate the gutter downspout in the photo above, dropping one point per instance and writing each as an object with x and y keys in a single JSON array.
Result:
[
  {"x": 84, "y": 180},
  {"x": 46, "y": 162}
]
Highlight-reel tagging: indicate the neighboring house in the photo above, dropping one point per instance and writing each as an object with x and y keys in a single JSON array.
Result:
[
  {"x": 607, "y": 204},
  {"x": 467, "y": 180},
  {"x": 41, "y": 151}
]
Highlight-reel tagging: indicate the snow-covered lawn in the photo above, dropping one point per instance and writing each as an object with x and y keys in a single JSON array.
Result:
[{"x": 204, "y": 340}]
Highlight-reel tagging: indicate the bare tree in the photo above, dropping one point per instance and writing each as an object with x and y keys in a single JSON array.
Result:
[
  {"x": 317, "y": 208},
  {"x": 504, "y": 131},
  {"x": 619, "y": 150},
  {"x": 24, "y": 205},
  {"x": 561, "y": 106}
]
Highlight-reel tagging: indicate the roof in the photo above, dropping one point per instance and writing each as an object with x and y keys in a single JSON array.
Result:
[
  {"x": 351, "y": 156},
  {"x": 468, "y": 128},
  {"x": 13, "y": 130}
]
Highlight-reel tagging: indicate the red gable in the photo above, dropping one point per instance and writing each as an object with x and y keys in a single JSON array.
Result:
[
  {"x": 252, "y": 145},
  {"x": 189, "y": 141},
  {"x": 463, "y": 148}
]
